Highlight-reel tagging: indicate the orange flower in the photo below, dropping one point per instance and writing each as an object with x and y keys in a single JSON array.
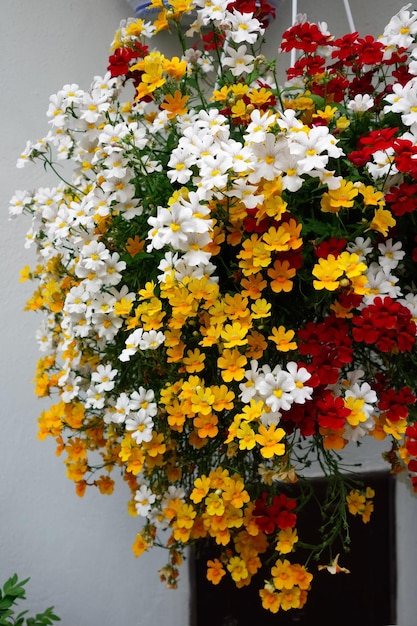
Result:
[
  {"x": 215, "y": 571},
  {"x": 175, "y": 105},
  {"x": 281, "y": 274}
]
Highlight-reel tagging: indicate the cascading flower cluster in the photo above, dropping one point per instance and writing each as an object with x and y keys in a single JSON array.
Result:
[{"x": 227, "y": 281}]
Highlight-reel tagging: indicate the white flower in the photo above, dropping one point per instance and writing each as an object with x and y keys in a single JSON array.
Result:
[
  {"x": 361, "y": 103},
  {"x": 383, "y": 164},
  {"x": 144, "y": 498},
  {"x": 238, "y": 61},
  {"x": 300, "y": 375},
  {"x": 104, "y": 377},
  {"x": 401, "y": 29},
  {"x": 132, "y": 344},
  {"x": 140, "y": 426},
  {"x": 360, "y": 246},
  {"x": 18, "y": 201},
  {"x": 151, "y": 340},
  {"x": 257, "y": 129},
  {"x": 244, "y": 27},
  {"x": 248, "y": 389},
  {"x": 390, "y": 254},
  {"x": 276, "y": 388}
]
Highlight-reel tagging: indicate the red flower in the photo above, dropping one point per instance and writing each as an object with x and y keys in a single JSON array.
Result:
[
  {"x": 344, "y": 46},
  {"x": 386, "y": 323},
  {"x": 119, "y": 62},
  {"x": 395, "y": 403},
  {"x": 380, "y": 139},
  {"x": 359, "y": 158},
  {"x": 262, "y": 10},
  {"x": 333, "y": 88},
  {"x": 368, "y": 51},
  {"x": 412, "y": 465},
  {"x": 301, "y": 416},
  {"x": 330, "y": 246},
  {"x": 331, "y": 412},
  {"x": 406, "y": 157},
  {"x": 310, "y": 65},
  {"x": 402, "y": 199},
  {"x": 276, "y": 515},
  {"x": 306, "y": 37},
  {"x": 213, "y": 40}
]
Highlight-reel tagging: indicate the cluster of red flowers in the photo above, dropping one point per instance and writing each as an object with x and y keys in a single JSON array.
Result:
[
  {"x": 386, "y": 324},
  {"x": 277, "y": 515},
  {"x": 395, "y": 404},
  {"x": 120, "y": 60},
  {"x": 363, "y": 56}
]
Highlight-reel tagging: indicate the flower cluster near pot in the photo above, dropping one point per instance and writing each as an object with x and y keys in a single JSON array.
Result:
[{"x": 228, "y": 281}]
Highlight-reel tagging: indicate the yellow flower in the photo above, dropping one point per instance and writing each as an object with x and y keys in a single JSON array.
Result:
[
  {"x": 105, "y": 485},
  {"x": 140, "y": 545},
  {"x": 356, "y": 414},
  {"x": 202, "y": 400},
  {"x": 276, "y": 239},
  {"x": 327, "y": 271},
  {"x": 270, "y": 440},
  {"x": 232, "y": 365},
  {"x": 201, "y": 489},
  {"x": 223, "y": 398},
  {"x": 342, "y": 197},
  {"x": 214, "y": 504},
  {"x": 194, "y": 361},
  {"x": 351, "y": 266},
  {"x": 287, "y": 538},
  {"x": 152, "y": 67},
  {"x": 206, "y": 425},
  {"x": 234, "y": 335},
  {"x": 371, "y": 197},
  {"x": 253, "y": 286},
  {"x": 260, "y": 309},
  {"x": 283, "y": 575},
  {"x": 355, "y": 501},
  {"x": 256, "y": 345},
  {"x": 237, "y": 568},
  {"x": 156, "y": 446},
  {"x": 382, "y": 221},
  {"x": 175, "y": 68},
  {"x": 185, "y": 516},
  {"x": 283, "y": 339},
  {"x": 235, "y": 493},
  {"x": 291, "y": 598},
  {"x": 246, "y": 436}
]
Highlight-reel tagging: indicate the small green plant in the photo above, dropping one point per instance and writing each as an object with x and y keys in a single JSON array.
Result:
[{"x": 12, "y": 592}]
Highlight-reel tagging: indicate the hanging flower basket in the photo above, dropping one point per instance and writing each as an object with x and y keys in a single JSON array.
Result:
[{"x": 227, "y": 283}]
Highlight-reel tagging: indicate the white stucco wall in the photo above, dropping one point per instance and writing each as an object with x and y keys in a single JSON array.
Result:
[{"x": 77, "y": 551}]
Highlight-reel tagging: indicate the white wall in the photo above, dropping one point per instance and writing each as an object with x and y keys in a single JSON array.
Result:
[{"x": 77, "y": 551}]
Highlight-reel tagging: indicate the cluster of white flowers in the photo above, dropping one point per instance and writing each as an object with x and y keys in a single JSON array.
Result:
[
  {"x": 278, "y": 388},
  {"x": 379, "y": 273}
]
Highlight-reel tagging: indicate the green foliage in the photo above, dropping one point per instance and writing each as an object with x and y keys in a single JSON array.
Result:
[{"x": 13, "y": 591}]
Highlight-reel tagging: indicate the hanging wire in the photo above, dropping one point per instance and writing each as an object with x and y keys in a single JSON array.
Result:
[
  {"x": 293, "y": 20},
  {"x": 349, "y": 16}
]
